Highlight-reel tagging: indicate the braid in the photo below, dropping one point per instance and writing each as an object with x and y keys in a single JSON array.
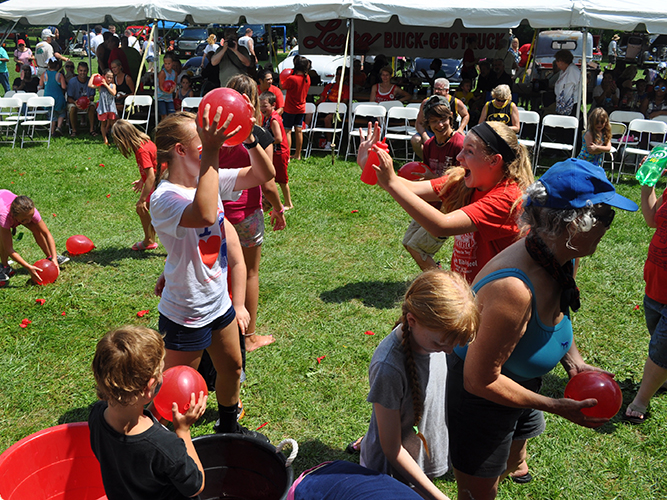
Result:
[{"x": 413, "y": 376}]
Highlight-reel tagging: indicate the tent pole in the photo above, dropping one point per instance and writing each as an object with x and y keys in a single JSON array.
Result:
[
  {"x": 351, "y": 77},
  {"x": 270, "y": 47},
  {"x": 4, "y": 38},
  {"x": 584, "y": 77},
  {"x": 90, "y": 56},
  {"x": 156, "y": 63}
]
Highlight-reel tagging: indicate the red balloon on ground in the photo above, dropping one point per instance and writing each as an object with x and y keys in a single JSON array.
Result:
[
  {"x": 596, "y": 385},
  {"x": 83, "y": 102},
  {"x": 284, "y": 74},
  {"x": 409, "y": 170},
  {"x": 231, "y": 102},
  {"x": 178, "y": 383},
  {"x": 78, "y": 244},
  {"x": 49, "y": 271},
  {"x": 97, "y": 80},
  {"x": 168, "y": 85}
]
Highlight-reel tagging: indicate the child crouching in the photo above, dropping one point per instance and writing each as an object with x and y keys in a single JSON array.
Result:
[{"x": 139, "y": 457}]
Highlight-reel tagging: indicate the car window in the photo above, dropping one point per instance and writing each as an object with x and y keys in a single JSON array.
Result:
[{"x": 195, "y": 33}]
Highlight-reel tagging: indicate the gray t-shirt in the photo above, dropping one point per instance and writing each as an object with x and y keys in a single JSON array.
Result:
[{"x": 389, "y": 388}]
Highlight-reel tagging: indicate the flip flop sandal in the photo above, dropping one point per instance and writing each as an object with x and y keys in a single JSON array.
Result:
[
  {"x": 526, "y": 478},
  {"x": 139, "y": 246},
  {"x": 635, "y": 419},
  {"x": 354, "y": 447}
]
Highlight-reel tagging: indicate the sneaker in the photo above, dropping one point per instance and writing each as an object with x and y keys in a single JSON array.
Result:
[
  {"x": 4, "y": 279},
  {"x": 8, "y": 270},
  {"x": 62, "y": 259},
  {"x": 327, "y": 146},
  {"x": 244, "y": 431}
]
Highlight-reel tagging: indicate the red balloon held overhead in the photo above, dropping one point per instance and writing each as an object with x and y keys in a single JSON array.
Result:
[
  {"x": 284, "y": 75},
  {"x": 97, "y": 80},
  {"x": 169, "y": 86},
  {"x": 409, "y": 170},
  {"x": 79, "y": 244},
  {"x": 178, "y": 383},
  {"x": 596, "y": 385},
  {"x": 231, "y": 102},
  {"x": 49, "y": 271},
  {"x": 83, "y": 102}
]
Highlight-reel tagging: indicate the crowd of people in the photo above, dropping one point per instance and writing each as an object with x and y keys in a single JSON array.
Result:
[{"x": 511, "y": 287}]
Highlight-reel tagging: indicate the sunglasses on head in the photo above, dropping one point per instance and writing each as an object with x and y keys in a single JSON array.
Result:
[{"x": 606, "y": 219}]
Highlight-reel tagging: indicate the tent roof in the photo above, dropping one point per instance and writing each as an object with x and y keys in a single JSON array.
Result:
[{"x": 623, "y": 15}]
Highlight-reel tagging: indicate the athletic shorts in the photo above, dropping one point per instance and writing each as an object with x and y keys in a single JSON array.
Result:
[
  {"x": 290, "y": 120},
  {"x": 251, "y": 229},
  {"x": 480, "y": 431},
  {"x": 182, "y": 338},
  {"x": 419, "y": 239},
  {"x": 656, "y": 322},
  {"x": 280, "y": 162}
]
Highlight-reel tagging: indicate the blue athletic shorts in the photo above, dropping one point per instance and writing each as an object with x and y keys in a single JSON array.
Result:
[
  {"x": 656, "y": 322},
  {"x": 181, "y": 338}
]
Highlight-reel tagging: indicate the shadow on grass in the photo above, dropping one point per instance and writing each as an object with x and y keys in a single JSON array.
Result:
[
  {"x": 313, "y": 452},
  {"x": 76, "y": 415},
  {"x": 111, "y": 256},
  {"x": 377, "y": 294}
]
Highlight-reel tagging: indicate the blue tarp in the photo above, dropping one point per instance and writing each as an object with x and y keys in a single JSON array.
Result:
[{"x": 170, "y": 25}]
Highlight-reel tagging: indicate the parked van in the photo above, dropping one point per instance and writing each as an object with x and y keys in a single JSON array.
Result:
[{"x": 550, "y": 42}]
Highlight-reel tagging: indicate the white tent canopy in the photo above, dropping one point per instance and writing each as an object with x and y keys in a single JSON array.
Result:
[{"x": 624, "y": 15}]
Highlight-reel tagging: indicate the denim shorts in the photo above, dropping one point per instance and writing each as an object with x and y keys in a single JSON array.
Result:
[
  {"x": 656, "y": 322},
  {"x": 165, "y": 108},
  {"x": 182, "y": 338}
]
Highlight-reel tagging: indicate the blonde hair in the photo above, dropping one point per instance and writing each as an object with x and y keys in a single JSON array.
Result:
[
  {"x": 442, "y": 301},
  {"x": 211, "y": 39},
  {"x": 593, "y": 118},
  {"x": 243, "y": 84},
  {"x": 502, "y": 93},
  {"x": 519, "y": 170},
  {"x": 127, "y": 137},
  {"x": 172, "y": 130},
  {"x": 125, "y": 360}
]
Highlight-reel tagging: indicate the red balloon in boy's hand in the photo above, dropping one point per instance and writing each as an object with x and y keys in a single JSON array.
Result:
[
  {"x": 231, "y": 102},
  {"x": 178, "y": 384},
  {"x": 83, "y": 102},
  {"x": 168, "y": 86},
  {"x": 78, "y": 244},
  {"x": 97, "y": 80},
  {"x": 410, "y": 170},
  {"x": 598, "y": 385},
  {"x": 284, "y": 75},
  {"x": 49, "y": 271}
]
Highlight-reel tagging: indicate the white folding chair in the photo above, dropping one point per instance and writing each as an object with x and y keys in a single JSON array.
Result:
[
  {"x": 24, "y": 97},
  {"x": 391, "y": 104},
  {"x": 565, "y": 123},
  {"x": 661, "y": 118},
  {"x": 402, "y": 132},
  {"x": 10, "y": 110},
  {"x": 38, "y": 116},
  {"x": 10, "y": 93},
  {"x": 134, "y": 110},
  {"x": 308, "y": 123},
  {"x": 40, "y": 93},
  {"x": 618, "y": 130},
  {"x": 414, "y": 105},
  {"x": 530, "y": 118},
  {"x": 648, "y": 131},
  {"x": 323, "y": 109},
  {"x": 367, "y": 112},
  {"x": 624, "y": 117},
  {"x": 191, "y": 103}
]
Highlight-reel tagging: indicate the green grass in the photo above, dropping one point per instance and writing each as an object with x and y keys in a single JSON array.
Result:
[{"x": 329, "y": 277}]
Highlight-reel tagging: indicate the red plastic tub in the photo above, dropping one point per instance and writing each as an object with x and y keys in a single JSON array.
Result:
[{"x": 53, "y": 464}]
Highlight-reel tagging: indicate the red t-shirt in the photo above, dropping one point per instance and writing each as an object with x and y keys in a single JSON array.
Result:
[
  {"x": 118, "y": 53},
  {"x": 250, "y": 199},
  {"x": 280, "y": 98},
  {"x": 491, "y": 212},
  {"x": 297, "y": 90},
  {"x": 330, "y": 93},
  {"x": 146, "y": 157},
  {"x": 655, "y": 268},
  {"x": 441, "y": 158},
  {"x": 523, "y": 52}
]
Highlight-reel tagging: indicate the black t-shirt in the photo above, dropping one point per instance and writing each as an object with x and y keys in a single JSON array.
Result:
[
  {"x": 153, "y": 465},
  {"x": 28, "y": 86}
]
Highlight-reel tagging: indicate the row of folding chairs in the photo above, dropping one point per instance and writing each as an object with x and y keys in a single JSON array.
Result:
[{"x": 632, "y": 134}]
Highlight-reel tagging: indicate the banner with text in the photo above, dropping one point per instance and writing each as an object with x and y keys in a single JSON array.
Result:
[{"x": 394, "y": 39}]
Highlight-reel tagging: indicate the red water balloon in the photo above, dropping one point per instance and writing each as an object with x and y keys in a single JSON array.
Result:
[
  {"x": 596, "y": 385},
  {"x": 231, "y": 102},
  {"x": 178, "y": 383},
  {"x": 409, "y": 170},
  {"x": 49, "y": 271},
  {"x": 97, "y": 80},
  {"x": 168, "y": 86},
  {"x": 368, "y": 175},
  {"x": 83, "y": 102},
  {"x": 79, "y": 244},
  {"x": 284, "y": 75}
]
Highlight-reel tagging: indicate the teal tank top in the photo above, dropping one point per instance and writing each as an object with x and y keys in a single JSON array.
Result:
[{"x": 541, "y": 348}]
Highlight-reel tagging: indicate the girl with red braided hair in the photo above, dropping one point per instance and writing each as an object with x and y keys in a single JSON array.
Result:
[{"x": 407, "y": 437}]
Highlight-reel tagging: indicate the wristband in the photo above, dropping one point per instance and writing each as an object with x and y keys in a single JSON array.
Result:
[
  {"x": 252, "y": 144},
  {"x": 282, "y": 210}
]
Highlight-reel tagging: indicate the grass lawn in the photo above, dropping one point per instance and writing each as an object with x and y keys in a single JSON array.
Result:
[{"x": 337, "y": 271}]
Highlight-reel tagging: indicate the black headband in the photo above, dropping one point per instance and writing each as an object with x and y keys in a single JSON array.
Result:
[{"x": 496, "y": 143}]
